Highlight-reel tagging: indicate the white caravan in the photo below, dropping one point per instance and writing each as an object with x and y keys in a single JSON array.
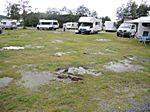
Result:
[
  {"x": 110, "y": 26},
  {"x": 47, "y": 24},
  {"x": 9, "y": 24},
  {"x": 126, "y": 29},
  {"x": 89, "y": 25},
  {"x": 143, "y": 26},
  {"x": 70, "y": 25}
]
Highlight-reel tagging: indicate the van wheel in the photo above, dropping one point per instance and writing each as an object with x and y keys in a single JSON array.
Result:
[
  {"x": 38, "y": 28},
  {"x": 118, "y": 35}
]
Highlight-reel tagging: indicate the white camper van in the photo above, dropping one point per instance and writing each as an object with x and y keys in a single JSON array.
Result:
[
  {"x": 143, "y": 26},
  {"x": 89, "y": 25},
  {"x": 126, "y": 29},
  {"x": 47, "y": 24},
  {"x": 71, "y": 25},
  {"x": 9, "y": 24},
  {"x": 110, "y": 26}
]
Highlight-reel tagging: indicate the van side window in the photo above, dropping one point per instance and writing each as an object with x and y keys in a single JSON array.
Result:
[
  {"x": 4, "y": 23},
  {"x": 133, "y": 26},
  {"x": 146, "y": 24},
  {"x": 97, "y": 23}
]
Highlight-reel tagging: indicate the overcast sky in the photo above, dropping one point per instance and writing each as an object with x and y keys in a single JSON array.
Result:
[{"x": 102, "y": 7}]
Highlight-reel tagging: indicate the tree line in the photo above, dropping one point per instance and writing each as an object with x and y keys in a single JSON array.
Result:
[{"x": 23, "y": 10}]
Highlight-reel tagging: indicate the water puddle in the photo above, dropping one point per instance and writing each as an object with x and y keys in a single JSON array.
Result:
[
  {"x": 5, "y": 81},
  {"x": 33, "y": 80},
  {"x": 103, "y": 40},
  {"x": 21, "y": 48},
  {"x": 59, "y": 54},
  {"x": 13, "y": 48}
]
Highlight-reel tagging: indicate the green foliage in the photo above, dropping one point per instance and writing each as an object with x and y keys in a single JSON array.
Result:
[{"x": 131, "y": 9}]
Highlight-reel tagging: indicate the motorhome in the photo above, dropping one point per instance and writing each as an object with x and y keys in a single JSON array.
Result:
[
  {"x": 89, "y": 25},
  {"x": 9, "y": 24},
  {"x": 47, "y": 24},
  {"x": 70, "y": 25},
  {"x": 143, "y": 25},
  {"x": 110, "y": 26},
  {"x": 126, "y": 29}
]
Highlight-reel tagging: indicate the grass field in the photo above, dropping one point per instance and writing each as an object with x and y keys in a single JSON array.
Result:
[{"x": 110, "y": 92}]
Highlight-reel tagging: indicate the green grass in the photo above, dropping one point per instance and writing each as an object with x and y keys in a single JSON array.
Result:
[{"x": 111, "y": 91}]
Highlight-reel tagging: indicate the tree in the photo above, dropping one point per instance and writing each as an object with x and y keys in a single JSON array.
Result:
[
  {"x": 106, "y": 18},
  {"x": 8, "y": 8},
  {"x": 131, "y": 9},
  {"x": 25, "y": 8},
  {"x": 83, "y": 11},
  {"x": 94, "y": 14},
  {"x": 143, "y": 9},
  {"x": 14, "y": 12}
]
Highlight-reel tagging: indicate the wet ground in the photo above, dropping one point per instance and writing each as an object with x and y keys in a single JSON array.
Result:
[
  {"x": 123, "y": 65},
  {"x": 5, "y": 81}
]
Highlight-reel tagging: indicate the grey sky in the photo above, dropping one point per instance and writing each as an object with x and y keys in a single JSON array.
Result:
[{"x": 102, "y": 7}]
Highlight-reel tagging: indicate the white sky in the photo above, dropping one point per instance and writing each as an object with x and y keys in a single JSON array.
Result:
[{"x": 102, "y": 7}]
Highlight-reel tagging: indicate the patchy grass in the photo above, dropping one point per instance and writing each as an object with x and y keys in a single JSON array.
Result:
[{"x": 106, "y": 93}]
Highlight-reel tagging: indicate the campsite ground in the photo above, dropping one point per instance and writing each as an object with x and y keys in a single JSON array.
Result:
[{"x": 30, "y": 61}]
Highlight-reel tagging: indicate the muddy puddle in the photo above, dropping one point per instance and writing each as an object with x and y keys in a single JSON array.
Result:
[
  {"x": 123, "y": 65},
  {"x": 5, "y": 81},
  {"x": 77, "y": 71}
]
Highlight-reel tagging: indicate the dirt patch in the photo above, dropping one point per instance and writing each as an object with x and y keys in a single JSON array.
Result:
[
  {"x": 5, "y": 81},
  {"x": 122, "y": 66},
  {"x": 57, "y": 41}
]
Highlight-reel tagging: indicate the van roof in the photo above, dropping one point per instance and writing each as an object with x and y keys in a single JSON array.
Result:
[
  {"x": 88, "y": 19},
  {"x": 141, "y": 19},
  {"x": 43, "y": 20}
]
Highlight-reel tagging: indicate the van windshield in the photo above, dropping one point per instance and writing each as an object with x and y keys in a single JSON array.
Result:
[
  {"x": 125, "y": 26},
  {"x": 46, "y": 23},
  {"x": 86, "y": 24},
  {"x": 55, "y": 23}
]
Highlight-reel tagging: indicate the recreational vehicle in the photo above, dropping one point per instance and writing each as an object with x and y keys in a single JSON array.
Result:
[
  {"x": 47, "y": 24},
  {"x": 70, "y": 25},
  {"x": 110, "y": 26},
  {"x": 9, "y": 24},
  {"x": 143, "y": 26},
  {"x": 126, "y": 29},
  {"x": 89, "y": 25}
]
